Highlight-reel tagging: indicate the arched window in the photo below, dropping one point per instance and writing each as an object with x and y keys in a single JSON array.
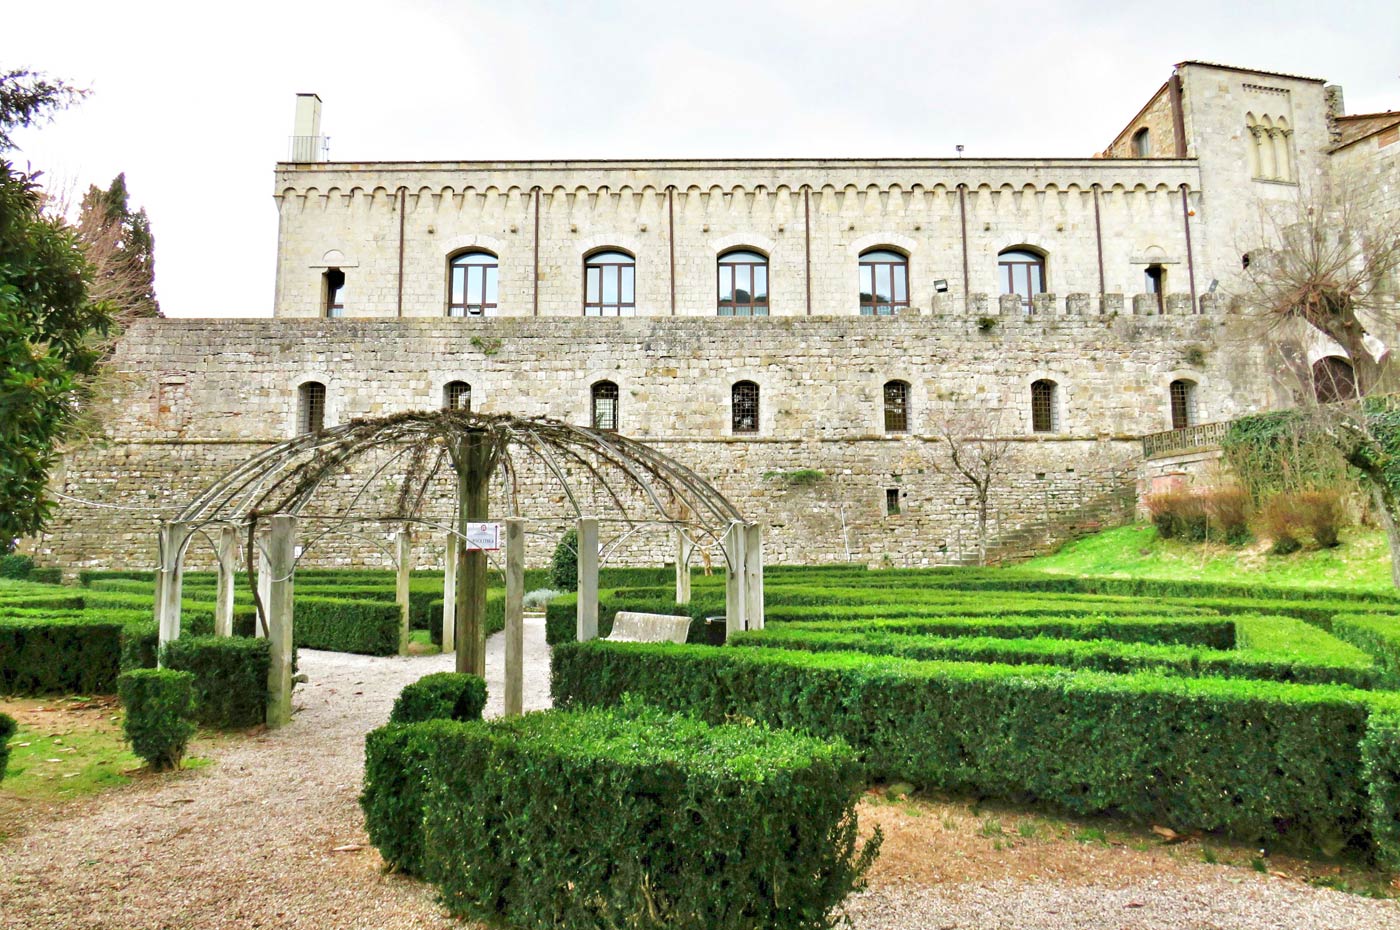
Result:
[
  {"x": 896, "y": 406},
  {"x": 605, "y": 406},
  {"x": 457, "y": 395},
  {"x": 1142, "y": 143},
  {"x": 1045, "y": 406},
  {"x": 1183, "y": 400},
  {"x": 1283, "y": 150},
  {"x": 609, "y": 284},
  {"x": 744, "y": 407},
  {"x": 333, "y": 286},
  {"x": 1022, "y": 272},
  {"x": 1156, "y": 284},
  {"x": 473, "y": 286},
  {"x": 311, "y": 407},
  {"x": 884, "y": 282},
  {"x": 743, "y": 284},
  {"x": 1334, "y": 379}
]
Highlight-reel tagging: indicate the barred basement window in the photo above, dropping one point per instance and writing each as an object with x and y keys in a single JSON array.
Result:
[
  {"x": 896, "y": 407},
  {"x": 744, "y": 404},
  {"x": 473, "y": 285},
  {"x": 333, "y": 281},
  {"x": 457, "y": 395},
  {"x": 311, "y": 407},
  {"x": 891, "y": 502},
  {"x": 605, "y": 406},
  {"x": 1045, "y": 414},
  {"x": 1183, "y": 400}
]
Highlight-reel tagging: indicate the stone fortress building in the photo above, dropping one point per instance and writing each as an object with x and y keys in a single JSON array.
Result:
[{"x": 763, "y": 320}]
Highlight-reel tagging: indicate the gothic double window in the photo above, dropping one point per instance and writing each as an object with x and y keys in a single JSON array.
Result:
[
  {"x": 473, "y": 285},
  {"x": 743, "y": 284},
  {"x": 884, "y": 282},
  {"x": 610, "y": 284}
]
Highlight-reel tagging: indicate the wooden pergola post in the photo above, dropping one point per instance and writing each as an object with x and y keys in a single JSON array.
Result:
[
  {"x": 683, "y": 549},
  {"x": 281, "y": 563},
  {"x": 227, "y": 554},
  {"x": 474, "y": 463},
  {"x": 403, "y": 575},
  {"x": 515, "y": 617},
  {"x": 264, "y": 586},
  {"x": 753, "y": 577},
  {"x": 587, "y": 579},
  {"x": 169, "y": 581},
  {"x": 449, "y": 593},
  {"x": 735, "y": 599}
]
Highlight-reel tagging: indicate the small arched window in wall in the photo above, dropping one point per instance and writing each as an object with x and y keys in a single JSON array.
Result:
[
  {"x": 457, "y": 395},
  {"x": 1182, "y": 394},
  {"x": 605, "y": 412},
  {"x": 311, "y": 407},
  {"x": 1142, "y": 143},
  {"x": 333, "y": 287},
  {"x": 884, "y": 282},
  {"x": 1334, "y": 379},
  {"x": 1045, "y": 406},
  {"x": 474, "y": 284},
  {"x": 744, "y": 407},
  {"x": 1156, "y": 284},
  {"x": 1022, "y": 272},
  {"x": 609, "y": 284},
  {"x": 896, "y": 406},
  {"x": 743, "y": 284}
]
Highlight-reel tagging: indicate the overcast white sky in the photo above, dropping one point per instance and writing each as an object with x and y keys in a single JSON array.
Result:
[{"x": 194, "y": 101}]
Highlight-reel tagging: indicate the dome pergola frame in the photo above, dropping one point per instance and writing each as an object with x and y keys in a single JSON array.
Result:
[{"x": 259, "y": 501}]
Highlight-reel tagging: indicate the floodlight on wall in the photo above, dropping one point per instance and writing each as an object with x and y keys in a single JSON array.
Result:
[
  {"x": 959, "y": 147},
  {"x": 941, "y": 286},
  {"x": 1213, "y": 285}
]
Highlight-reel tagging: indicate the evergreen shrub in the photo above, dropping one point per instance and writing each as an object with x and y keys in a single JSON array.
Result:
[
  {"x": 74, "y": 654},
  {"x": 230, "y": 678},
  {"x": 1376, "y": 635},
  {"x": 159, "y": 714},
  {"x": 15, "y": 565},
  {"x": 440, "y": 696},
  {"x": 685, "y": 825},
  {"x": 7, "y": 730},
  {"x": 1380, "y": 758},
  {"x": 338, "y": 625},
  {"x": 1259, "y": 761},
  {"x": 563, "y": 567}
]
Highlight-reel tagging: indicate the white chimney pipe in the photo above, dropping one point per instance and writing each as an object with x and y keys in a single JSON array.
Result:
[{"x": 307, "y": 143}]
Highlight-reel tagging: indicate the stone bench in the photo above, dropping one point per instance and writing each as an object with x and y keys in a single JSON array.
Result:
[{"x": 629, "y": 627}]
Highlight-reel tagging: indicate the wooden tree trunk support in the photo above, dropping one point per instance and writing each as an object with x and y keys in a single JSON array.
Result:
[
  {"x": 223, "y": 599},
  {"x": 683, "y": 548},
  {"x": 515, "y": 618},
  {"x": 735, "y": 601},
  {"x": 587, "y": 579},
  {"x": 169, "y": 580},
  {"x": 753, "y": 577},
  {"x": 474, "y": 466},
  {"x": 281, "y": 561},
  {"x": 449, "y": 594},
  {"x": 264, "y": 586},
  {"x": 401, "y": 585}
]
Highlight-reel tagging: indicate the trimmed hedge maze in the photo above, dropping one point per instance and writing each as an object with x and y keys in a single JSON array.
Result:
[{"x": 1263, "y": 714}]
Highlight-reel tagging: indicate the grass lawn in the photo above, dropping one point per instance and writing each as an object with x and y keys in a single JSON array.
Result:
[{"x": 1361, "y": 562}]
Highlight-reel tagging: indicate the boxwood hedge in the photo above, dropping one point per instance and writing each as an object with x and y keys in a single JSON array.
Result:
[
  {"x": 1255, "y": 760},
  {"x": 7, "y": 730},
  {"x": 683, "y": 826},
  {"x": 159, "y": 717},
  {"x": 440, "y": 696},
  {"x": 230, "y": 677}
]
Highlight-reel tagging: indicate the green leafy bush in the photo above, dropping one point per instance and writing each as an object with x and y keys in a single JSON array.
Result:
[
  {"x": 365, "y": 627},
  {"x": 440, "y": 696},
  {"x": 395, "y": 790},
  {"x": 230, "y": 678},
  {"x": 7, "y": 730},
  {"x": 46, "y": 575},
  {"x": 1378, "y": 636},
  {"x": 563, "y": 567},
  {"x": 1380, "y": 759},
  {"x": 72, "y": 654},
  {"x": 159, "y": 714},
  {"x": 1255, "y": 760},
  {"x": 15, "y": 565},
  {"x": 685, "y": 826}
]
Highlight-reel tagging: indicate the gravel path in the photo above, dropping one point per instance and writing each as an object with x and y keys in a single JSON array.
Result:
[{"x": 251, "y": 842}]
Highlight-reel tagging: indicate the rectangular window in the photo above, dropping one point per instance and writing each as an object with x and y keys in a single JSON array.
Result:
[{"x": 892, "y": 502}]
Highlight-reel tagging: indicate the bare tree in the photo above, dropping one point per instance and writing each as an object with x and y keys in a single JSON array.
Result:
[
  {"x": 1330, "y": 274},
  {"x": 979, "y": 454}
]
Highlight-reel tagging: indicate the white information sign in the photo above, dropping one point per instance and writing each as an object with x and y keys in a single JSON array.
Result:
[{"x": 484, "y": 536}]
